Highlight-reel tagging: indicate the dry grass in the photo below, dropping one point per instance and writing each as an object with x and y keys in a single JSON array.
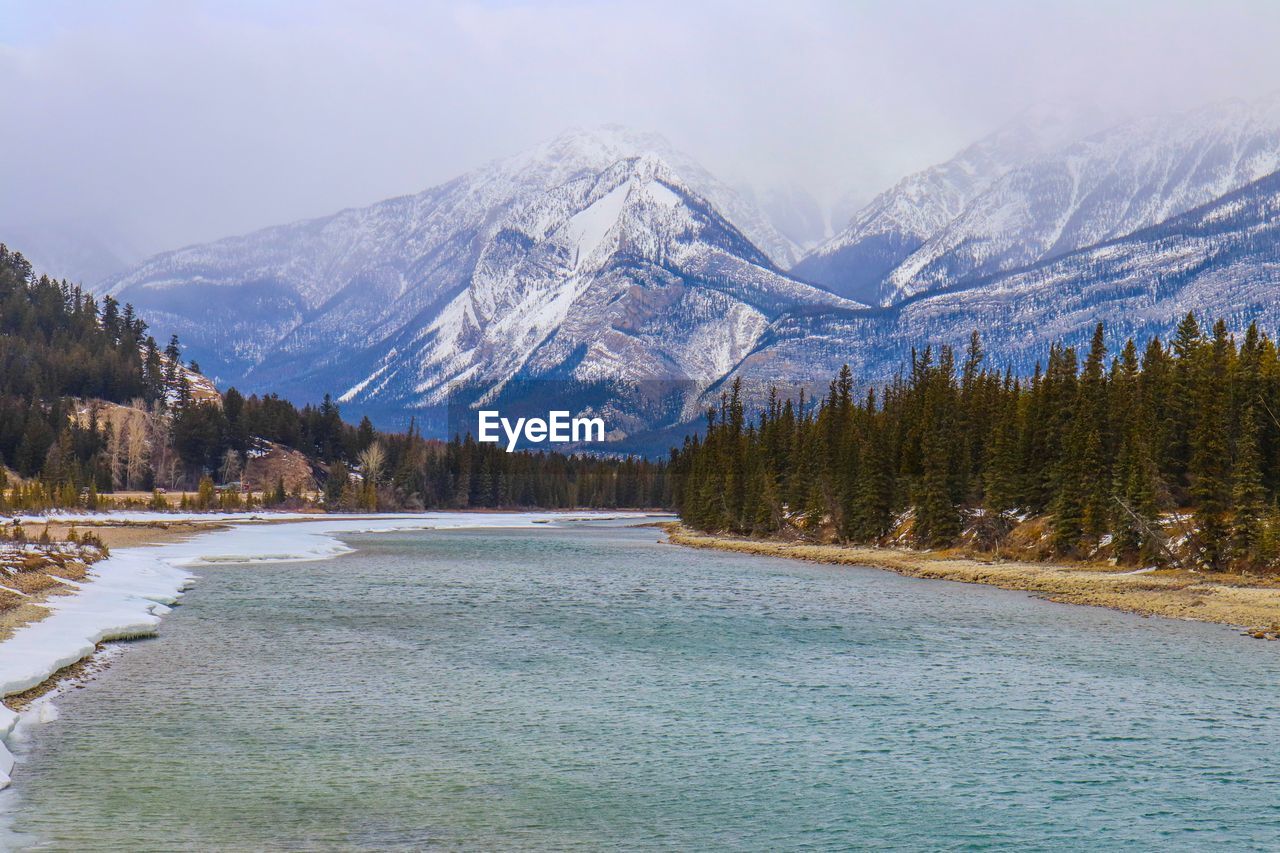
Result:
[{"x": 117, "y": 534}]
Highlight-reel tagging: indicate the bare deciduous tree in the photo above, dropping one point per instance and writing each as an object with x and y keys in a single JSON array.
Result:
[
  {"x": 230, "y": 466},
  {"x": 371, "y": 459}
]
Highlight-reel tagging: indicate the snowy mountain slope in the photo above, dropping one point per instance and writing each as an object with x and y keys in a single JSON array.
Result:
[
  {"x": 1219, "y": 260},
  {"x": 497, "y": 274},
  {"x": 622, "y": 276},
  {"x": 857, "y": 261},
  {"x": 1101, "y": 187},
  {"x": 287, "y": 307},
  {"x": 621, "y": 279}
]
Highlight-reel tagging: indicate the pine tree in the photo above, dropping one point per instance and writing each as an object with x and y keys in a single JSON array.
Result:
[
  {"x": 173, "y": 362},
  {"x": 334, "y": 486},
  {"x": 1068, "y": 506},
  {"x": 1184, "y": 403},
  {"x": 937, "y": 518},
  {"x": 206, "y": 494},
  {"x": 873, "y": 499},
  {"x": 1093, "y": 421},
  {"x": 1248, "y": 496},
  {"x": 767, "y": 517},
  {"x": 1209, "y": 467},
  {"x": 1000, "y": 486}
]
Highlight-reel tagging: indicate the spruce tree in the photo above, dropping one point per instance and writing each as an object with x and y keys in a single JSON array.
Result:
[
  {"x": 937, "y": 521},
  {"x": 873, "y": 498},
  {"x": 1248, "y": 497},
  {"x": 1093, "y": 416},
  {"x": 1142, "y": 495},
  {"x": 1000, "y": 485},
  {"x": 1067, "y": 524},
  {"x": 1209, "y": 466},
  {"x": 1184, "y": 402}
]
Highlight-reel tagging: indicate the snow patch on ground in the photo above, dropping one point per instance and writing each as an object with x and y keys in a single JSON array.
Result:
[
  {"x": 586, "y": 230},
  {"x": 660, "y": 193}
]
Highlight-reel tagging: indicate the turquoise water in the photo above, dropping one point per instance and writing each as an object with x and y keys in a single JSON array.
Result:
[{"x": 591, "y": 688}]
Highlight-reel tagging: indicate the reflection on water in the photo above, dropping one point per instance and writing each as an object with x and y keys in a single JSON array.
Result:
[{"x": 590, "y": 687}]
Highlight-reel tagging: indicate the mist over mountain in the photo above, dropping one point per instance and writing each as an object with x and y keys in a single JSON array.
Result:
[
  {"x": 78, "y": 251},
  {"x": 1038, "y": 189},
  {"x": 605, "y": 259},
  {"x": 881, "y": 239},
  {"x": 794, "y": 212}
]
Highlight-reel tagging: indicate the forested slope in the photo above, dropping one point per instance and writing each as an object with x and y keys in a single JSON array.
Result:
[{"x": 1171, "y": 454}]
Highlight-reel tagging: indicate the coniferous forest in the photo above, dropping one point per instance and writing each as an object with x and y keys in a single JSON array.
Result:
[
  {"x": 1164, "y": 454},
  {"x": 90, "y": 404}
]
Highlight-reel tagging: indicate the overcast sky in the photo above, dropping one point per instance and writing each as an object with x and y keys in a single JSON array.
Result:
[{"x": 181, "y": 122}]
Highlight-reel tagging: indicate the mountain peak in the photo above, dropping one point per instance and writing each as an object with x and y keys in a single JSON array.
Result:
[
  {"x": 590, "y": 150},
  {"x": 601, "y": 255},
  {"x": 1054, "y": 179}
]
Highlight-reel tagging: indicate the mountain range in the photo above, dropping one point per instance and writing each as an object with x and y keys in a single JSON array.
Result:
[{"x": 613, "y": 265}]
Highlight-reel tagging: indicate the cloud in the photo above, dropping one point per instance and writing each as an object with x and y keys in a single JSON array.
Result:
[{"x": 179, "y": 122}]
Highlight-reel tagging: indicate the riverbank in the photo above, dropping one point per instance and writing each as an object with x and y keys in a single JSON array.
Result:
[{"x": 1247, "y": 603}]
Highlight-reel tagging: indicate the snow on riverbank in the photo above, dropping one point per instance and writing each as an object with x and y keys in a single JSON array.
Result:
[{"x": 126, "y": 595}]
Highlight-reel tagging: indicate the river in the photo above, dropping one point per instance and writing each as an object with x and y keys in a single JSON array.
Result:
[{"x": 588, "y": 686}]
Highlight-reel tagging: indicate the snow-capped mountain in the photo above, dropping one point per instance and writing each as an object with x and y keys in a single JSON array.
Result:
[
  {"x": 622, "y": 275},
  {"x": 1221, "y": 260},
  {"x": 1099, "y": 188},
  {"x": 622, "y": 271},
  {"x": 1027, "y": 195},
  {"x": 579, "y": 259},
  {"x": 859, "y": 260}
]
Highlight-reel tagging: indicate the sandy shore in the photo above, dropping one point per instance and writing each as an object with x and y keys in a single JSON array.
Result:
[{"x": 1248, "y": 603}]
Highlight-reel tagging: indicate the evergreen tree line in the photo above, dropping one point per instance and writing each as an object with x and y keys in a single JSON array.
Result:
[
  {"x": 408, "y": 471},
  {"x": 1170, "y": 454},
  {"x": 362, "y": 468}
]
